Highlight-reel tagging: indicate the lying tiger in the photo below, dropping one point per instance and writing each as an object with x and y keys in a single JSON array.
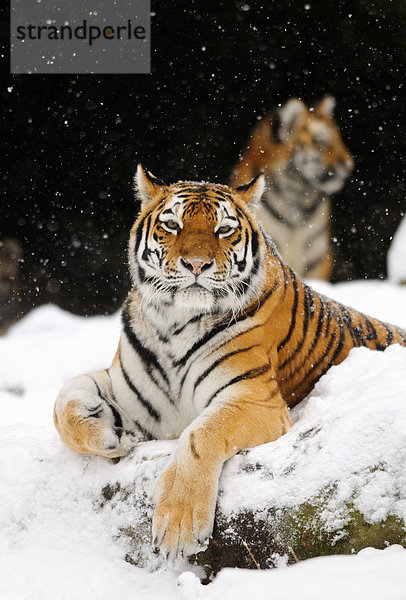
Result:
[
  {"x": 219, "y": 338},
  {"x": 304, "y": 159}
]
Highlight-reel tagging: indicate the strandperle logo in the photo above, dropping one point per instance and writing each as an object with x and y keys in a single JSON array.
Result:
[
  {"x": 89, "y": 36},
  {"x": 85, "y": 31}
]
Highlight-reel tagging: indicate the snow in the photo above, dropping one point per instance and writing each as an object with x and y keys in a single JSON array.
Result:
[
  {"x": 370, "y": 575},
  {"x": 397, "y": 254},
  {"x": 59, "y": 541},
  {"x": 348, "y": 443}
]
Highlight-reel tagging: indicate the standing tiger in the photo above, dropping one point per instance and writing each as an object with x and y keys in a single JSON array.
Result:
[
  {"x": 219, "y": 337},
  {"x": 304, "y": 159}
]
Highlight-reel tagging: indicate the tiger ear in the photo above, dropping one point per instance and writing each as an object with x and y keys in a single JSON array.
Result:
[
  {"x": 290, "y": 114},
  {"x": 251, "y": 192},
  {"x": 147, "y": 186},
  {"x": 326, "y": 106}
]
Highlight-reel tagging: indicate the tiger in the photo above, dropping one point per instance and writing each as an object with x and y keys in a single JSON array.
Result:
[
  {"x": 304, "y": 159},
  {"x": 220, "y": 338}
]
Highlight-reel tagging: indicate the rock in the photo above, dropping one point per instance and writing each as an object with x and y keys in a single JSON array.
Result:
[
  {"x": 253, "y": 539},
  {"x": 334, "y": 484}
]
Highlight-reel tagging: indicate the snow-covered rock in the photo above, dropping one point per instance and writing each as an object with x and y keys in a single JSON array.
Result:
[
  {"x": 72, "y": 525},
  {"x": 335, "y": 483}
]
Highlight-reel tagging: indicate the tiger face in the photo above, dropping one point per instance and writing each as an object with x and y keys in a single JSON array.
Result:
[
  {"x": 195, "y": 246},
  {"x": 312, "y": 145}
]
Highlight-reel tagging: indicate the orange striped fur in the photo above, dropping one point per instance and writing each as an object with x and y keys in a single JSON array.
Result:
[
  {"x": 304, "y": 159},
  {"x": 219, "y": 338}
]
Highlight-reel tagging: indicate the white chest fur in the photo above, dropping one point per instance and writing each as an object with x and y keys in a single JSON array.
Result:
[{"x": 162, "y": 356}]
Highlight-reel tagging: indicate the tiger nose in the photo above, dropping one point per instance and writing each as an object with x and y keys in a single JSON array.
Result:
[{"x": 196, "y": 265}]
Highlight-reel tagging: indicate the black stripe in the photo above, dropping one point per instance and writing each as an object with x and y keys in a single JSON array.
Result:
[
  {"x": 237, "y": 239},
  {"x": 329, "y": 319},
  {"x": 316, "y": 365},
  {"x": 254, "y": 243},
  {"x": 345, "y": 318},
  {"x": 251, "y": 374},
  {"x": 193, "y": 446},
  {"x": 306, "y": 310},
  {"x": 256, "y": 306},
  {"x": 240, "y": 214},
  {"x": 148, "y": 358},
  {"x": 206, "y": 338},
  {"x": 243, "y": 262},
  {"x": 371, "y": 335},
  {"x": 118, "y": 422},
  {"x": 244, "y": 285},
  {"x": 248, "y": 313},
  {"x": 142, "y": 429},
  {"x": 389, "y": 335},
  {"x": 320, "y": 324},
  {"x": 193, "y": 191},
  {"x": 146, "y": 251},
  {"x": 355, "y": 331},
  {"x": 146, "y": 434},
  {"x": 220, "y": 346},
  {"x": 294, "y": 311},
  {"x": 138, "y": 235},
  {"x": 261, "y": 302},
  {"x": 194, "y": 319},
  {"x": 141, "y": 274},
  {"x": 246, "y": 186},
  {"x": 275, "y": 214},
  {"x": 219, "y": 361},
  {"x": 140, "y": 397},
  {"x": 339, "y": 345},
  {"x": 97, "y": 387},
  {"x": 209, "y": 335}
]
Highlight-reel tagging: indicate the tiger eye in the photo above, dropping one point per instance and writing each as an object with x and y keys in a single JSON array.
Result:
[
  {"x": 224, "y": 229},
  {"x": 171, "y": 224}
]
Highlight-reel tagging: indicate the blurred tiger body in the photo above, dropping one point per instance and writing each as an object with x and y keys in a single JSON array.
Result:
[
  {"x": 219, "y": 337},
  {"x": 304, "y": 159}
]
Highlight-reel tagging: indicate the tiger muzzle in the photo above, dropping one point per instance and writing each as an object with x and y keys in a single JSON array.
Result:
[{"x": 196, "y": 266}]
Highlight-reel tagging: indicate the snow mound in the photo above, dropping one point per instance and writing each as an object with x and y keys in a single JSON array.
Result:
[
  {"x": 66, "y": 519},
  {"x": 348, "y": 443},
  {"x": 397, "y": 255},
  {"x": 371, "y": 574}
]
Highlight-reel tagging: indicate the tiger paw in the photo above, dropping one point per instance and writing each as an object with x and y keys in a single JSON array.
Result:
[
  {"x": 114, "y": 442},
  {"x": 184, "y": 514},
  {"x": 85, "y": 425}
]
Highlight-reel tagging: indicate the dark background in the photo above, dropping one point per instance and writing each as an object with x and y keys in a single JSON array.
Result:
[{"x": 73, "y": 141}]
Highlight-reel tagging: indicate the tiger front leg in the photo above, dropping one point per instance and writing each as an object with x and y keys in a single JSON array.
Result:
[
  {"x": 88, "y": 421},
  {"x": 247, "y": 415}
]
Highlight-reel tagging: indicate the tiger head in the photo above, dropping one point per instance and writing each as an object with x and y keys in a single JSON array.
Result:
[
  {"x": 310, "y": 143},
  {"x": 195, "y": 246}
]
